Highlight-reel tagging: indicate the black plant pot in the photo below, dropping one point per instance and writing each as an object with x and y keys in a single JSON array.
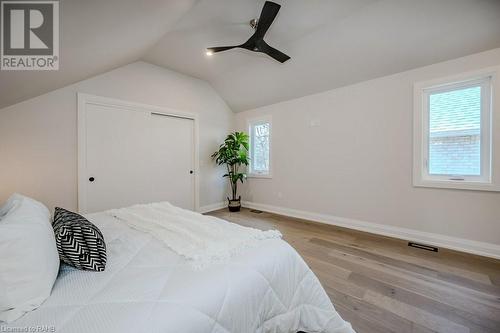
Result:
[{"x": 234, "y": 205}]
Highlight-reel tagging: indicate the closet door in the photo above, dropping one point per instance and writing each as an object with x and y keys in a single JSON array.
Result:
[
  {"x": 134, "y": 156},
  {"x": 117, "y": 161},
  {"x": 172, "y": 160}
]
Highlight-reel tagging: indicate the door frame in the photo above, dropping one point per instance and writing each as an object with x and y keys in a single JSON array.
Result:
[{"x": 84, "y": 99}]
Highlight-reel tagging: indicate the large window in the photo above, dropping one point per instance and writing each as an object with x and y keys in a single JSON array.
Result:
[
  {"x": 260, "y": 147},
  {"x": 453, "y": 134}
]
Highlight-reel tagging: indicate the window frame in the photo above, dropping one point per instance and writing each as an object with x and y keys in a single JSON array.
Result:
[
  {"x": 251, "y": 123},
  {"x": 487, "y": 180}
]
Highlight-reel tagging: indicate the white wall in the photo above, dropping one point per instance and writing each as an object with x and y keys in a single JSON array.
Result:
[
  {"x": 348, "y": 153},
  {"x": 38, "y": 137}
]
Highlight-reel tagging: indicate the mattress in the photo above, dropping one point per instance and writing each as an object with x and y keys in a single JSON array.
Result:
[{"x": 147, "y": 287}]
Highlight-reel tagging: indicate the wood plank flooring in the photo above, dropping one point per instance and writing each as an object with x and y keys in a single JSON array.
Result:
[{"x": 381, "y": 285}]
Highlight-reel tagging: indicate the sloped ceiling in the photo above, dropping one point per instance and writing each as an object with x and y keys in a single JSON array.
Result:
[
  {"x": 332, "y": 43},
  {"x": 95, "y": 37}
]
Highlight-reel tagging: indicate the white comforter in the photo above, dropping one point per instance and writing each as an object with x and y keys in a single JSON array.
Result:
[
  {"x": 203, "y": 240},
  {"x": 148, "y": 288}
]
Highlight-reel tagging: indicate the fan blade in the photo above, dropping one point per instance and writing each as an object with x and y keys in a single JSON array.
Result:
[
  {"x": 256, "y": 42},
  {"x": 267, "y": 16},
  {"x": 216, "y": 49},
  {"x": 273, "y": 53}
]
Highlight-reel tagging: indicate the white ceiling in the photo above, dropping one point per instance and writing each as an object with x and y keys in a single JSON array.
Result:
[
  {"x": 332, "y": 42},
  {"x": 96, "y": 36}
]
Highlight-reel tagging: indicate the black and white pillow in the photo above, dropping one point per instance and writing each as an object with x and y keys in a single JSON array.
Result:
[{"x": 79, "y": 242}]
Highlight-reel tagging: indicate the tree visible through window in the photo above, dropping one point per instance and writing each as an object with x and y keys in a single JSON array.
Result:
[{"x": 260, "y": 133}]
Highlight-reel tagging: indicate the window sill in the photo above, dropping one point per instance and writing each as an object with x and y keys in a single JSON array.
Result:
[
  {"x": 256, "y": 175},
  {"x": 458, "y": 185}
]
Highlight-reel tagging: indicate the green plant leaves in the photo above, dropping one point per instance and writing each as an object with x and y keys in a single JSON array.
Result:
[
  {"x": 233, "y": 153},
  {"x": 234, "y": 150}
]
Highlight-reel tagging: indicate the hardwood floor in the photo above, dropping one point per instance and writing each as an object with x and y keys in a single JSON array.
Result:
[{"x": 381, "y": 285}]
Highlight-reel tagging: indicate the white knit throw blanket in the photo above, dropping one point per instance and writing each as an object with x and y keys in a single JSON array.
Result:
[{"x": 203, "y": 240}]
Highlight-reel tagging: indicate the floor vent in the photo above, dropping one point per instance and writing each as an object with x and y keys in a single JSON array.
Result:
[
  {"x": 423, "y": 247},
  {"x": 256, "y": 211}
]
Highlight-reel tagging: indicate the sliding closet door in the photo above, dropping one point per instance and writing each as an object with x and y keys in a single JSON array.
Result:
[
  {"x": 117, "y": 161},
  {"x": 172, "y": 160},
  {"x": 134, "y": 156}
]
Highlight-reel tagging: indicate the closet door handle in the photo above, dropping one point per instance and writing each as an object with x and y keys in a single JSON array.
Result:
[
  {"x": 91, "y": 179},
  {"x": 191, "y": 172}
]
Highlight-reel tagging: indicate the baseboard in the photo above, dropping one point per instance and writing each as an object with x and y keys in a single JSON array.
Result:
[
  {"x": 453, "y": 243},
  {"x": 212, "y": 207}
]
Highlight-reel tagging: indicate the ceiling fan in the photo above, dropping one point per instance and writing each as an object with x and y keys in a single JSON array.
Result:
[{"x": 256, "y": 42}]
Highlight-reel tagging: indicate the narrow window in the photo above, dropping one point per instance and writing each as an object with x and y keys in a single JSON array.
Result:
[{"x": 260, "y": 148}]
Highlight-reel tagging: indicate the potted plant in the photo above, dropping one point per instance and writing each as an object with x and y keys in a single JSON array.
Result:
[{"x": 233, "y": 153}]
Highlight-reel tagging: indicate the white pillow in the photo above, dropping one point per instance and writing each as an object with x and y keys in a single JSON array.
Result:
[
  {"x": 29, "y": 261},
  {"x": 9, "y": 205}
]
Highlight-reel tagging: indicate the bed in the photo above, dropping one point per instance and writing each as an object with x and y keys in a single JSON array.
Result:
[{"x": 147, "y": 287}]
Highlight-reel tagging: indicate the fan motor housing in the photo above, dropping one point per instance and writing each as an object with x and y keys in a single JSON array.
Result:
[{"x": 253, "y": 23}]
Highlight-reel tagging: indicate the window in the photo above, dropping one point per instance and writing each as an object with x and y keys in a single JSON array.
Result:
[
  {"x": 260, "y": 147},
  {"x": 453, "y": 134}
]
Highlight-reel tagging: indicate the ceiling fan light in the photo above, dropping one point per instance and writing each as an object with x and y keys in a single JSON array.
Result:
[{"x": 209, "y": 53}]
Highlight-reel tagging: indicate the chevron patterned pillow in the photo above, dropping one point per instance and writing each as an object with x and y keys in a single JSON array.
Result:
[{"x": 79, "y": 242}]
